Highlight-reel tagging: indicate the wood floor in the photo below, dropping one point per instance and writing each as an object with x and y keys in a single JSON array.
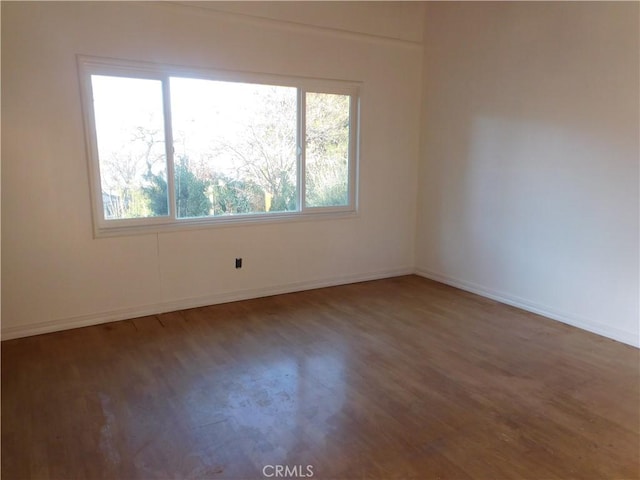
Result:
[{"x": 400, "y": 378}]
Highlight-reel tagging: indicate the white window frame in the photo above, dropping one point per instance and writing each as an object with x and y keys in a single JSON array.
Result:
[{"x": 88, "y": 66}]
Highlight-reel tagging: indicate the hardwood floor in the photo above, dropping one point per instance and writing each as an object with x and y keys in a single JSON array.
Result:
[{"x": 397, "y": 378}]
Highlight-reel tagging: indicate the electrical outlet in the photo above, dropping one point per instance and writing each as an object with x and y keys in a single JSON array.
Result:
[{"x": 238, "y": 262}]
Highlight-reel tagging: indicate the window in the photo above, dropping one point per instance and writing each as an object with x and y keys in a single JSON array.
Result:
[{"x": 171, "y": 146}]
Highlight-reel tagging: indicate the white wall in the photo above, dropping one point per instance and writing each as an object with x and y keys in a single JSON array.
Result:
[
  {"x": 528, "y": 185},
  {"x": 55, "y": 275},
  {"x": 389, "y": 19}
]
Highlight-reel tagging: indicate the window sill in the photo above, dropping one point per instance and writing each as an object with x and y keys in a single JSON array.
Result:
[{"x": 221, "y": 222}]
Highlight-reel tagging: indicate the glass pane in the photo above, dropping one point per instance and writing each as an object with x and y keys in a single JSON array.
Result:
[
  {"x": 327, "y": 150},
  {"x": 131, "y": 146},
  {"x": 235, "y": 147}
]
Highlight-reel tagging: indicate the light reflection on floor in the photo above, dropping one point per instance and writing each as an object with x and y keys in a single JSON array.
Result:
[{"x": 274, "y": 402}]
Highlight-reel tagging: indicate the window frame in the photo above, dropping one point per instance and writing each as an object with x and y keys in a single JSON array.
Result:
[{"x": 89, "y": 65}]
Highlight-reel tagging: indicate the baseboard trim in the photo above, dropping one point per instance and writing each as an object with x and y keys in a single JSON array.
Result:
[
  {"x": 50, "y": 326},
  {"x": 600, "y": 329}
]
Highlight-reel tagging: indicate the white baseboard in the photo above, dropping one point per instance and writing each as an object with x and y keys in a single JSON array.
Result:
[
  {"x": 598, "y": 328},
  {"x": 9, "y": 333},
  {"x": 49, "y": 326}
]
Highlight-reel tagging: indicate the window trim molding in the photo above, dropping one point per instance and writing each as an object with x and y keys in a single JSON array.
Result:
[{"x": 102, "y": 227}]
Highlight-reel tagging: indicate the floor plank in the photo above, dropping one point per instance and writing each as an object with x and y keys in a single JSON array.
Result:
[{"x": 397, "y": 378}]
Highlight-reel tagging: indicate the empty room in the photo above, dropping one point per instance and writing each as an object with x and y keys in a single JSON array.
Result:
[{"x": 332, "y": 240}]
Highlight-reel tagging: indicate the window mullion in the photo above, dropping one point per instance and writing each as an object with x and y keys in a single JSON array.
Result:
[
  {"x": 354, "y": 147},
  {"x": 302, "y": 129},
  {"x": 170, "y": 149}
]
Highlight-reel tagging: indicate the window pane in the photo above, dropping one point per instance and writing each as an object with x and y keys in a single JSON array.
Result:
[
  {"x": 131, "y": 146},
  {"x": 327, "y": 150},
  {"x": 235, "y": 147}
]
